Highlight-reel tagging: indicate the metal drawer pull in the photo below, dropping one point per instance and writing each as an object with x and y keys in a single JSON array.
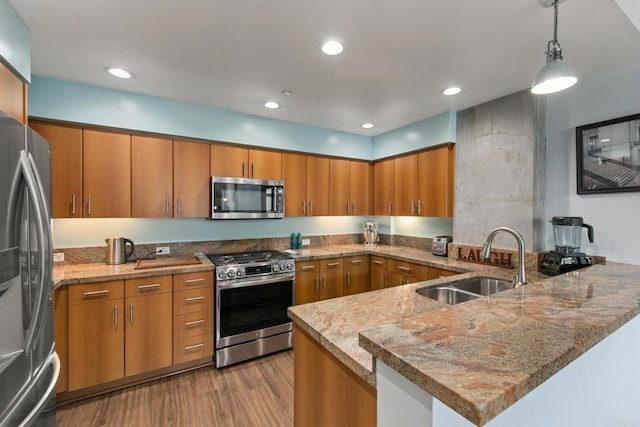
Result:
[
  {"x": 192, "y": 299},
  {"x": 359, "y": 261},
  {"x": 95, "y": 293},
  {"x": 348, "y": 210},
  {"x": 333, "y": 264},
  {"x": 193, "y": 347},
  {"x": 308, "y": 267},
  {"x": 190, "y": 281},
  {"x": 89, "y": 204},
  {"x": 316, "y": 285},
  {"x": 155, "y": 285},
  {"x": 166, "y": 205},
  {"x": 376, "y": 262},
  {"x": 404, "y": 268},
  {"x": 195, "y": 322}
]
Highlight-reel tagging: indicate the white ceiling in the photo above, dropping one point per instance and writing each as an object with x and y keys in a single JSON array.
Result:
[{"x": 399, "y": 55}]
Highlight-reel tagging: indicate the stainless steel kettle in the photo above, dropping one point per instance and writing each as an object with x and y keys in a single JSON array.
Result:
[{"x": 116, "y": 250}]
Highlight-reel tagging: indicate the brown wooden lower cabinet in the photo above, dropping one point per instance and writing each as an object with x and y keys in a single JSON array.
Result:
[
  {"x": 326, "y": 392},
  {"x": 356, "y": 275},
  {"x": 60, "y": 327}
]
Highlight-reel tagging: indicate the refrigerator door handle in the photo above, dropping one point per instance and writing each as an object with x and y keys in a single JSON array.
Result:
[{"x": 37, "y": 409}]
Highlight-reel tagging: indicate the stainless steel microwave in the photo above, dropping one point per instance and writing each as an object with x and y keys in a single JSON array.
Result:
[{"x": 243, "y": 198}]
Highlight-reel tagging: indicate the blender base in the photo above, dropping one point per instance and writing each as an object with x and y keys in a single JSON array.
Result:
[{"x": 556, "y": 262}]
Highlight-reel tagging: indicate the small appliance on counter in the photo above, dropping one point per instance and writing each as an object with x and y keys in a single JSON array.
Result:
[
  {"x": 117, "y": 250},
  {"x": 439, "y": 245},
  {"x": 567, "y": 237},
  {"x": 370, "y": 233}
]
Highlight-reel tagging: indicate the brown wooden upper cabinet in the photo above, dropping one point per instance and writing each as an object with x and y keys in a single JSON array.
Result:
[
  {"x": 13, "y": 94},
  {"x": 306, "y": 181},
  {"x": 191, "y": 178},
  {"x": 151, "y": 177},
  {"x": 383, "y": 187},
  {"x": 405, "y": 185},
  {"x": 227, "y": 160},
  {"x": 106, "y": 174},
  {"x": 435, "y": 181},
  {"x": 350, "y": 186},
  {"x": 66, "y": 167}
]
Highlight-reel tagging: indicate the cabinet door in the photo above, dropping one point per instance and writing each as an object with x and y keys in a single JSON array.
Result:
[
  {"x": 294, "y": 174},
  {"x": 191, "y": 179},
  {"x": 307, "y": 288},
  {"x": 60, "y": 326},
  {"x": 265, "y": 164},
  {"x": 356, "y": 277},
  {"x": 13, "y": 94},
  {"x": 405, "y": 185},
  {"x": 106, "y": 172},
  {"x": 360, "y": 188},
  {"x": 95, "y": 334},
  {"x": 396, "y": 279},
  {"x": 410, "y": 272},
  {"x": 227, "y": 160},
  {"x": 378, "y": 273},
  {"x": 66, "y": 168},
  {"x": 383, "y": 184},
  {"x": 149, "y": 322},
  {"x": 317, "y": 186},
  {"x": 151, "y": 177},
  {"x": 435, "y": 181},
  {"x": 339, "y": 181},
  {"x": 331, "y": 278}
]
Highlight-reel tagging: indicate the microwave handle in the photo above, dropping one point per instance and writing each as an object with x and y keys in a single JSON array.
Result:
[{"x": 276, "y": 200}]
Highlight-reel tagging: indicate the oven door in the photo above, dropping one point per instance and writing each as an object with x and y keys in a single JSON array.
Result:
[{"x": 252, "y": 309}]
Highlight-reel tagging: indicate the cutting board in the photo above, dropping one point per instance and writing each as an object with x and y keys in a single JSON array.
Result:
[{"x": 167, "y": 262}]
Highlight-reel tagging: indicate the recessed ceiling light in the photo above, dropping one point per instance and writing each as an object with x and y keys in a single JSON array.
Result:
[
  {"x": 454, "y": 90},
  {"x": 332, "y": 47},
  {"x": 271, "y": 105},
  {"x": 366, "y": 125},
  {"x": 120, "y": 73}
]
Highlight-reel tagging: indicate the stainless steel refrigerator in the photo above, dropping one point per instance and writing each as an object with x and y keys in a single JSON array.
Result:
[{"x": 29, "y": 366}]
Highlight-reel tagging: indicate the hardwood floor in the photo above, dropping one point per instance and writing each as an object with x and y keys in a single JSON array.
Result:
[{"x": 254, "y": 393}]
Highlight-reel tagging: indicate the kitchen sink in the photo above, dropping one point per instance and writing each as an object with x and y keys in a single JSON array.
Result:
[
  {"x": 447, "y": 295},
  {"x": 467, "y": 289}
]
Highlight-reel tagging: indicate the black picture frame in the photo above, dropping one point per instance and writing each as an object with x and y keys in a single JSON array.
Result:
[{"x": 608, "y": 156}]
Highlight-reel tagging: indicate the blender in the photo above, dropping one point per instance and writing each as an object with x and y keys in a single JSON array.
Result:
[{"x": 567, "y": 236}]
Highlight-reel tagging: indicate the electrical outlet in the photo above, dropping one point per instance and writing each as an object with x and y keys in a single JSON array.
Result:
[
  {"x": 306, "y": 242},
  {"x": 58, "y": 256},
  {"x": 163, "y": 250}
]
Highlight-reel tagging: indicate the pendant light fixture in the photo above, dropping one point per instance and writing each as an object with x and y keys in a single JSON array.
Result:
[{"x": 556, "y": 75}]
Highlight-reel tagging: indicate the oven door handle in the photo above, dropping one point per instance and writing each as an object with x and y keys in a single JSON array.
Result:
[{"x": 247, "y": 283}]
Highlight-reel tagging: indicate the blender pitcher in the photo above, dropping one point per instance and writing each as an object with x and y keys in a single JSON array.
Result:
[{"x": 567, "y": 233}]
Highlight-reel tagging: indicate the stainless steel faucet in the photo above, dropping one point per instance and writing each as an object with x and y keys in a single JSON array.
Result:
[{"x": 486, "y": 252}]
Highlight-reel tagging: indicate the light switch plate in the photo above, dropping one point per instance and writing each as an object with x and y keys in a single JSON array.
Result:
[
  {"x": 306, "y": 242},
  {"x": 58, "y": 256},
  {"x": 163, "y": 250}
]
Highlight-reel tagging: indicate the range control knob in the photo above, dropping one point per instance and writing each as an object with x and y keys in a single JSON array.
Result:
[
  {"x": 231, "y": 272},
  {"x": 221, "y": 274},
  {"x": 240, "y": 273},
  {"x": 290, "y": 266},
  {"x": 282, "y": 267},
  {"x": 276, "y": 268}
]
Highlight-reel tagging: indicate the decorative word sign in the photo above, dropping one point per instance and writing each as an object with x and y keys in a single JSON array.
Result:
[{"x": 500, "y": 259}]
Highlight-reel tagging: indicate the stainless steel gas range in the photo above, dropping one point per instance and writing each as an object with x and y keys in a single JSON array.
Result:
[{"x": 253, "y": 291}]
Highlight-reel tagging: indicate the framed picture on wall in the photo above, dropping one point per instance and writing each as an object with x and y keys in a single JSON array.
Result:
[{"x": 608, "y": 156}]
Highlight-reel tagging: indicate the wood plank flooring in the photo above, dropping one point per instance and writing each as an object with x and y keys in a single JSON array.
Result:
[{"x": 254, "y": 393}]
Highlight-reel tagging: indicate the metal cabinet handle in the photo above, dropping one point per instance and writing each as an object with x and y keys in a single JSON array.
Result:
[
  {"x": 304, "y": 207},
  {"x": 308, "y": 267},
  {"x": 375, "y": 261},
  {"x": 400, "y": 267},
  {"x": 153, "y": 286},
  {"x": 419, "y": 207},
  {"x": 390, "y": 207},
  {"x": 89, "y": 204},
  {"x": 180, "y": 205},
  {"x": 413, "y": 207},
  {"x": 333, "y": 264},
  {"x": 384, "y": 281},
  {"x": 253, "y": 170},
  {"x": 192, "y": 281},
  {"x": 95, "y": 293},
  {"x": 195, "y": 322},
  {"x": 166, "y": 205},
  {"x": 324, "y": 283},
  {"x": 359, "y": 261},
  {"x": 115, "y": 315},
  {"x": 193, "y": 347},
  {"x": 73, "y": 204},
  {"x": 353, "y": 208},
  {"x": 348, "y": 278},
  {"x": 131, "y": 314},
  {"x": 348, "y": 210},
  {"x": 311, "y": 207},
  {"x": 316, "y": 287},
  {"x": 192, "y": 299},
  {"x": 243, "y": 165}
]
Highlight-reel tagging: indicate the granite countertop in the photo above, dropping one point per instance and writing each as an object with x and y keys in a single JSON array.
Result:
[
  {"x": 481, "y": 356},
  {"x": 101, "y": 272}
]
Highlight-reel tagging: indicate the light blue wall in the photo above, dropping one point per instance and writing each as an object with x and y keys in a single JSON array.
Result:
[
  {"x": 426, "y": 133},
  {"x": 15, "y": 42},
  {"x": 74, "y": 102}
]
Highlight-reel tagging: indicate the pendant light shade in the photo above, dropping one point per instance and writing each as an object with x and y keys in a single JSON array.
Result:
[{"x": 556, "y": 75}]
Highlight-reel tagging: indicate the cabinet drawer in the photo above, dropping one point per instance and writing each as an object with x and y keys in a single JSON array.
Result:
[
  {"x": 147, "y": 285},
  {"x": 90, "y": 292},
  {"x": 192, "y": 348},
  {"x": 378, "y": 262},
  {"x": 192, "y": 324},
  {"x": 408, "y": 268},
  {"x": 192, "y": 280},
  {"x": 192, "y": 301},
  {"x": 307, "y": 266},
  {"x": 331, "y": 264}
]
